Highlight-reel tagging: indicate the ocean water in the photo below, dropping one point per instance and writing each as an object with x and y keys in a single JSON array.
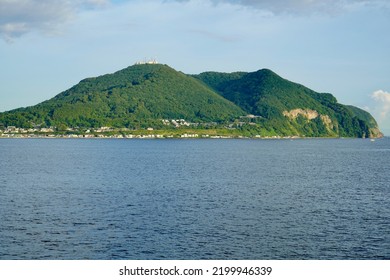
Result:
[{"x": 194, "y": 199}]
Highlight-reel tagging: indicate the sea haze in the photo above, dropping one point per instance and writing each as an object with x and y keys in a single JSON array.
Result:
[{"x": 194, "y": 199}]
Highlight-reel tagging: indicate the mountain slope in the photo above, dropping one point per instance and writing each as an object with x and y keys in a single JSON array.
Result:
[
  {"x": 135, "y": 97},
  {"x": 262, "y": 91},
  {"x": 290, "y": 108}
]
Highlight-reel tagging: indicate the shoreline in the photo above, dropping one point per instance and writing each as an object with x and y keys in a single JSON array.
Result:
[
  {"x": 176, "y": 137},
  {"x": 146, "y": 136},
  {"x": 150, "y": 133}
]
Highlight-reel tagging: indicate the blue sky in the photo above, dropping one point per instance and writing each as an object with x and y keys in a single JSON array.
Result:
[{"x": 336, "y": 46}]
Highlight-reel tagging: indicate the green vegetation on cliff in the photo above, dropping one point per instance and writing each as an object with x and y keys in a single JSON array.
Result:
[{"x": 289, "y": 108}]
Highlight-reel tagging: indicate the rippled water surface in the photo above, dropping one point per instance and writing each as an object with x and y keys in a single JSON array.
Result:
[{"x": 194, "y": 199}]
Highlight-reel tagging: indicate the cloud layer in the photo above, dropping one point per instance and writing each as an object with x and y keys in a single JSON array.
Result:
[
  {"x": 383, "y": 100},
  {"x": 18, "y": 17}
]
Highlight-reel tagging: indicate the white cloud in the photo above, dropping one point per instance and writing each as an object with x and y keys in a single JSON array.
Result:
[
  {"x": 18, "y": 17},
  {"x": 383, "y": 100}
]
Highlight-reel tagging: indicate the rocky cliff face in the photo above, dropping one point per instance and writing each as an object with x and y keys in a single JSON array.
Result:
[
  {"x": 310, "y": 115},
  {"x": 307, "y": 113}
]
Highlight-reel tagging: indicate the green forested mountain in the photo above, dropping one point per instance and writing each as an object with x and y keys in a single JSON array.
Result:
[
  {"x": 290, "y": 108},
  {"x": 140, "y": 96},
  {"x": 135, "y": 97}
]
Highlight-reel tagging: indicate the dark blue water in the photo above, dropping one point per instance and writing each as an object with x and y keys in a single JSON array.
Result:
[{"x": 194, "y": 199}]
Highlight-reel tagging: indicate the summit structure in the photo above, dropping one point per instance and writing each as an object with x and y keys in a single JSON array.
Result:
[{"x": 147, "y": 61}]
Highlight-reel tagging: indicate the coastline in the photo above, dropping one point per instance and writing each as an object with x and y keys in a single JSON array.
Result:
[
  {"x": 150, "y": 133},
  {"x": 146, "y": 136},
  {"x": 183, "y": 137}
]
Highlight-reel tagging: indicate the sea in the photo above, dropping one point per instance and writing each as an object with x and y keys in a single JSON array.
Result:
[{"x": 192, "y": 199}]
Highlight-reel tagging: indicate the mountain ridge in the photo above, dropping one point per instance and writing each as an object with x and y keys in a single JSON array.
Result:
[
  {"x": 142, "y": 96},
  {"x": 265, "y": 93}
]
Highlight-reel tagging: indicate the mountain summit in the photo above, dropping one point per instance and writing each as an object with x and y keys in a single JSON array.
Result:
[{"x": 144, "y": 95}]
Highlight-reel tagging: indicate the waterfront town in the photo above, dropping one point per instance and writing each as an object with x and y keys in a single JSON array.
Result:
[{"x": 179, "y": 128}]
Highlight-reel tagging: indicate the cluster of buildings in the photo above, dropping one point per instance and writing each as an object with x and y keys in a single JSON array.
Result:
[
  {"x": 11, "y": 131},
  {"x": 147, "y": 61},
  {"x": 110, "y": 136},
  {"x": 177, "y": 123},
  {"x": 14, "y": 129},
  {"x": 109, "y": 132}
]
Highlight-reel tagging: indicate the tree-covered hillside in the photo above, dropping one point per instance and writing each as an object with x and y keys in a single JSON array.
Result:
[
  {"x": 135, "y": 97},
  {"x": 290, "y": 108},
  {"x": 143, "y": 96}
]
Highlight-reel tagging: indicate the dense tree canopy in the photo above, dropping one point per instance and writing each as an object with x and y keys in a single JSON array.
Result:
[{"x": 140, "y": 96}]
